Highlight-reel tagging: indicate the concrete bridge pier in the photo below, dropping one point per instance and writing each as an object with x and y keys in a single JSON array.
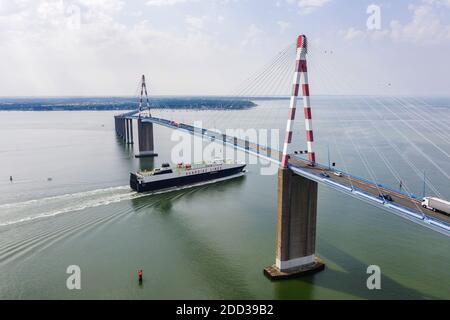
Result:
[
  {"x": 127, "y": 130},
  {"x": 131, "y": 141},
  {"x": 117, "y": 125},
  {"x": 146, "y": 142},
  {"x": 123, "y": 129},
  {"x": 296, "y": 227},
  {"x": 120, "y": 127}
]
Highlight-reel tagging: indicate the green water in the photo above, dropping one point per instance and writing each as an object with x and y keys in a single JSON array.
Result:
[{"x": 209, "y": 242}]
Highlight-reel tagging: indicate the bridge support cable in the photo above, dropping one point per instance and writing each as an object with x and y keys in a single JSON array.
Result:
[
  {"x": 370, "y": 142},
  {"x": 426, "y": 108},
  {"x": 361, "y": 155},
  {"x": 277, "y": 87},
  {"x": 264, "y": 74},
  {"x": 424, "y": 121},
  {"x": 253, "y": 88},
  {"x": 269, "y": 113},
  {"x": 335, "y": 134},
  {"x": 264, "y": 90},
  {"x": 386, "y": 107},
  {"x": 262, "y": 77},
  {"x": 259, "y": 86},
  {"x": 408, "y": 161},
  {"x": 271, "y": 88},
  {"x": 418, "y": 172},
  {"x": 420, "y": 150},
  {"x": 381, "y": 190},
  {"x": 405, "y": 137}
]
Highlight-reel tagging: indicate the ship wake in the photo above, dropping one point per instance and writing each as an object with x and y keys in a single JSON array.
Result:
[{"x": 31, "y": 210}]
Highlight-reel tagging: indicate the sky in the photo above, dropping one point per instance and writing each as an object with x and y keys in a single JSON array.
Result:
[{"x": 209, "y": 47}]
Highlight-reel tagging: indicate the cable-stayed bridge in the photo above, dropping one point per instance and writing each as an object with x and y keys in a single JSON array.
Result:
[{"x": 301, "y": 171}]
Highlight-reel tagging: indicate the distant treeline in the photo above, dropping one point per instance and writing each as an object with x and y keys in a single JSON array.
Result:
[{"x": 115, "y": 103}]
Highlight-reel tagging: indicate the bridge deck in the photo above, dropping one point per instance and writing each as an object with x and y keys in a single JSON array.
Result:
[
  {"x": 403, "y": 205},
  {"x": 370, "y": 189}
]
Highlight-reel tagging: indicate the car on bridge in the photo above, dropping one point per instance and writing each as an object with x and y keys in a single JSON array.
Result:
[{"x": 386, "y": 197}]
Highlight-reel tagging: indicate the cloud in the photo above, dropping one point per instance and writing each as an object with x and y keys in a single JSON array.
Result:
[
  {"x": 161, "y": 3},
  {"x": 86, "y": 47},
  {"x": 352, "y": 33},
  {"x": 196, "y": 22},
  {"x": 252, "y": 36},
  {"x": 253, "y": 31},
  {"x": 309, "y": 6},
  {"x": 283, "y": 25},
  {"x": 425, "y": 27}
]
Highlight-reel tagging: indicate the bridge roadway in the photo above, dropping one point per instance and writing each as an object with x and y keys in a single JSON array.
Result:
[
  {"x": 403, "y": 205},
  {"x": 354, "y": 184}
]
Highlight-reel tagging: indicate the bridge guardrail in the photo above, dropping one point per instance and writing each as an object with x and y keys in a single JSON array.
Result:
[
  {"x": 192, "y": 128},
  {"x": 412, "y": 196}
]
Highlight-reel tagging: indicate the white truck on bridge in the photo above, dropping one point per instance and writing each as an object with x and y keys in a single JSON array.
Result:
[{"x": 436, "y": 204}]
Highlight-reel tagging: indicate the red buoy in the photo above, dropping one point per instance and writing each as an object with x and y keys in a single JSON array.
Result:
[{"x": 140, "y": 276}]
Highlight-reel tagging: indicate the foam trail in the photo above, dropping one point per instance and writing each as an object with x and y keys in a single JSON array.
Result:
[
  {"x": 19, "y": 212},
  {"x": 62, "y": 197}
]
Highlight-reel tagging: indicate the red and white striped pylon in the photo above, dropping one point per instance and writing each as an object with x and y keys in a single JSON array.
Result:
[{"x": 300, "y": 77}]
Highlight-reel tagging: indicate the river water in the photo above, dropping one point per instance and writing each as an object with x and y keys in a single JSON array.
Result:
[{"x": 70, "y": 204}]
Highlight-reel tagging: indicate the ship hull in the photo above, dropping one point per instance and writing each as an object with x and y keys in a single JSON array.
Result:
[{"x": 182, "y": 181}]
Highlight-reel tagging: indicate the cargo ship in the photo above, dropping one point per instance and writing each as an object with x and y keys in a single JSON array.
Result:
[{"x": 168, "y": 177}]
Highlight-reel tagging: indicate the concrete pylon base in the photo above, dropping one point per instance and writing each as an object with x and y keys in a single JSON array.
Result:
[
  {"x": 149, "y": 154},
  {"x": 296, "y": 227},
  {"x": 274, "y": 274}
]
